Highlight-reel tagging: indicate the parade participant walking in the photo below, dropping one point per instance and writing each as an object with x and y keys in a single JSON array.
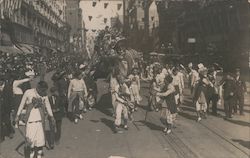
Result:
[
  {"x": 241, "y": 89},
  {"x": 58, "y": 112},
  {"x": 230, "y": 91},
  {"x": 77, "y": 89},
  {"x": 37, "y": 104},
  {"x": 157, "y": 83},
  {"x": 112, "y": 85},
  {"x": 134, "y": 87},
  {"x": 168, "y": 107},
  {"x": 122, "y": 93},
  {"x": 61, "y": 82},
  {"x": 200, "y": 94}
]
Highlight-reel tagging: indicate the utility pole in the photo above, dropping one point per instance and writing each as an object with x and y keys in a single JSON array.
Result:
[{"x": 147, "y": 4}]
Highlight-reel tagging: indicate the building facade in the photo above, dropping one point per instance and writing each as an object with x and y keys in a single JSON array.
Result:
[
  {"x": 142, "y": 22},
  {"x": 36, "y": 22},
  {"x": 75, "y": 20}
]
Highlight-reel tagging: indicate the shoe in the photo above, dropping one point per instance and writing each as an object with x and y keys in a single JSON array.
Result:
[
  {"x": 156, "y": 110},
  {"x": 165, "y": 130},
  {"x": 199, "y": 119},
  {"x": 136, "y": 109},
  {"x": 169, "y": 131},
  {"x": 84, "y": 110},
  {"x": 90, "y": 108},
  {"x": 11, "y": 136},
  {"x": 81, "y": 117},
  {"x": 125, "y": 127},
  {"x": 117, "y": 129},
  {"x": 51, "y": 148},
  {"x": 76, "y": 121}
]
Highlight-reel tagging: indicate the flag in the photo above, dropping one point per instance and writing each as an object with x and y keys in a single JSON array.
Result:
[
  {"x": 106, "y": 5},
  {"x": 119, "y": 6},
  {"x": 93, "y": 4},
  {"x": 105, "y": 20},
  {"x": 90, "y": 18}
]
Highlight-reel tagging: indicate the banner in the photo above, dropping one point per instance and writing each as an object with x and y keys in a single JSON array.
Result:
[
  {"x": 106, "y": 5},
  {"x": 105, "y": 20},
  {"x": 119, "y": 6},
  {"x": 90, "y": 18}
]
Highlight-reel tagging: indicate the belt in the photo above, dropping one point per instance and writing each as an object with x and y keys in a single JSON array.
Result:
[{"x": 35, "y": 121}]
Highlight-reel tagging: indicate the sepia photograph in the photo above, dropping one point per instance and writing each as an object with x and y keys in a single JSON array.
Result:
[{"x": 124, "y": 78}]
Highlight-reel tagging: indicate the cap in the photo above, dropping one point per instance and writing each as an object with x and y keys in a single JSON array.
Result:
[{"x": 200, "y": 66}]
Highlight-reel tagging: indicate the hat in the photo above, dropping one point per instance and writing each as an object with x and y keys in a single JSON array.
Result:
[
  {"x": 203, "y": 71},
  {"x": 190, "y": 65},
  {"x": 30, "y": 73},
  {"x": 201, "y": 66}
]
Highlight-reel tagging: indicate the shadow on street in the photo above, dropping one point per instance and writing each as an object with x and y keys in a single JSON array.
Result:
[
  {"x": 104, "y": 104},
  {"x": 242, "y": 142},
  {"x": 108, "y": 123}
]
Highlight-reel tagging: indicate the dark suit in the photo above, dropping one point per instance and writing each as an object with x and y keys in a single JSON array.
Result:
[
  {"x": 229, "y": 96},
  {"x": 241, "y": 89},
  {"x": 58, "y": 112},
  {"x": 6, "y": 100},
  {"x": 62, "y": 85}
]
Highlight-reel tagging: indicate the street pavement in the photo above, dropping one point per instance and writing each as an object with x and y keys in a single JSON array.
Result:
[{"x": 93, "y": 137}]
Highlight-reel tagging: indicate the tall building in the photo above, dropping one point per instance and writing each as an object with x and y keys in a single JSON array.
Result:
[
  {"x": 142, "y": 22},
  {"x": 74, "y": 19},
  {"x": 36, "y": 23}
]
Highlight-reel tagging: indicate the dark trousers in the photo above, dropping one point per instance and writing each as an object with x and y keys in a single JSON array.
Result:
[
  {"x": 239, "y": 100},
  {"x": 55, "y": 133},
  {"x": 228, "y": 106},
  {"x": 214, "y": 99},
  {"x": 6, "y": 128}
]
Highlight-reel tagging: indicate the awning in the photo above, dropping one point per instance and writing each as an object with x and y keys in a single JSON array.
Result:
[
  {"x": 10, "y": 50},
  {"x": 26, "y": 49}
]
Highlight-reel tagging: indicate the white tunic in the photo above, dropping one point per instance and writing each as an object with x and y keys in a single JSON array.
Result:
[{"x": 34, "y": 127}]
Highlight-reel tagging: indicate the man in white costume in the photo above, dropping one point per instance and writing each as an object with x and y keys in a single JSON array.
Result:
[{"x": 37, "y": 106}]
